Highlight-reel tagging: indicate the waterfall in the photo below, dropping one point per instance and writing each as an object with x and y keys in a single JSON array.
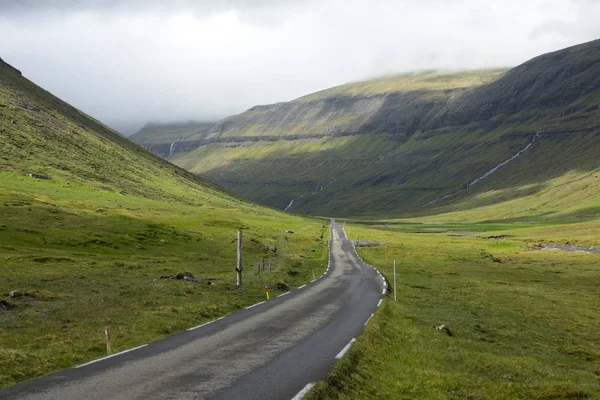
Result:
[
  {"x": 497, "y": 167},
  {"x": 292, "y": 202},
  {"x": 493, "y": 170}
]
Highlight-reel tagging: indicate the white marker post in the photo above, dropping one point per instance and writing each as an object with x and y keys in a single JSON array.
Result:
[
  {"x": 395, "y": 281},
  {"x": 107, "y": 334}
]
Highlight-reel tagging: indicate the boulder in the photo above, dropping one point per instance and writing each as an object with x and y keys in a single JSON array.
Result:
[{"x": 444, "y": 329}]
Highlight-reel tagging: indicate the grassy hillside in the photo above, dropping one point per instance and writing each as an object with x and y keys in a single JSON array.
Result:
[
  {"x": 393, "y": 146},
  {"x": 87, "y": 237},
  {"x": 425, "y": 81},
  {"x": 524, "y": 321},
  {"x": 165, "y": 138}
]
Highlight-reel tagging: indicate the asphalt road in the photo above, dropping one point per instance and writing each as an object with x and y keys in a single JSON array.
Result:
[{"x": 268, "y": 351}]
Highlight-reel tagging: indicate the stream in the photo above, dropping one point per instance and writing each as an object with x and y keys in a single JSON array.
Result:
[{"x": 581, "y": 249}]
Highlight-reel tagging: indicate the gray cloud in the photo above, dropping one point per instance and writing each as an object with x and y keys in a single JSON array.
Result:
[{"x": 130, "y": 61}]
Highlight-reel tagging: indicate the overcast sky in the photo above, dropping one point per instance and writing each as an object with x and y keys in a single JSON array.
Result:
[{"x": 127, "y": 62}]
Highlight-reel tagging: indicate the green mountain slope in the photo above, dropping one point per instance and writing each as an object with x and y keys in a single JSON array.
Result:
[
  {"x": 165, "y": 138},
  {"x": 398, "y": 146},
  {"x": 43, "y": 135},
  {"x": 90, "y": 222}
]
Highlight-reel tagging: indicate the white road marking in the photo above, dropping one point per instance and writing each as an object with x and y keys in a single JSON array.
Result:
[
  {"x": 371, "y": 316},
  {"x": 312, "y": 280},
  {"x": 383, "y": 292},
  {"x": 303, "y": 392},
  {"x": 111, "y": 356},
  {"x": 345, "y": 349},
  {"x": 200, "y": 326},
  {"x": 283, "y": 294},
  {"x": 254, "y": 305},
  {"x": 378, "y": 304},
  {"x": 300, "y": 287}
]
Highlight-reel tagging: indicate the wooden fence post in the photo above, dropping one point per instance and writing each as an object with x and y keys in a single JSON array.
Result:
[{"x": 239, "y": 267}]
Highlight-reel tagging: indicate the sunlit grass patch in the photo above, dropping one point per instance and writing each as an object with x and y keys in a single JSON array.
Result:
[{"x": 524, "y": 322}]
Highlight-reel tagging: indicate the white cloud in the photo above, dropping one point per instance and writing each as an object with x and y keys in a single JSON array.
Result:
[{"x": 134, "y": 61}]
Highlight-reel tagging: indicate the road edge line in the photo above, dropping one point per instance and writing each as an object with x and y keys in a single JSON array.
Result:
[
  {"x": 254, "y": 305},
  {"x": 345, "y": 349},
  {"x": 300, "y": 395},
  {"x": 111, "y": 356}
]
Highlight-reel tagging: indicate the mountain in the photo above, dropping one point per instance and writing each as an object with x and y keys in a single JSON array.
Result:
[
  {"x": 43, "y": 135},
  {"x": 93, "y": 227},
  {"x": 416, "y": 143},
  {"x": 164, "y": 138}
]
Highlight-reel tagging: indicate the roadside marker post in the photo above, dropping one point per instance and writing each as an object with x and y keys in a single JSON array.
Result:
[
  {"x": 267, "y": 291},
  {"x": 107, "y": 334},
  {"x": 395, "y": 281}
]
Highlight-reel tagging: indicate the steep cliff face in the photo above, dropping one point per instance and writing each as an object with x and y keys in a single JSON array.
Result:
[
  {"x": 391, "y": 105},
  {"x": 412, "y": 143},
  {"x": 165, "y": 139},
  {"x": 553, "y": 85}
]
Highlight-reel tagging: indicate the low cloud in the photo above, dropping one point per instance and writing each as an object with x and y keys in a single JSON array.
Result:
[{"x": 130, "y": 61}]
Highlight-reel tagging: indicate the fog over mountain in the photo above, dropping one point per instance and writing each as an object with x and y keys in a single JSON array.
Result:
[{"x": 126, "y": 62}]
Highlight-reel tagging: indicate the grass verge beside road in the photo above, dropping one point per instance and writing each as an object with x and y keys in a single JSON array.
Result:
[
  {"x": 84, "y": 259},
  {"x": 524, "y": 322}
]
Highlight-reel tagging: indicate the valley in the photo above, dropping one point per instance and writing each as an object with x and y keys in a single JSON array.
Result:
[
  {"x": 482, "y": 186},
  {"x": 396, "y": 146}
]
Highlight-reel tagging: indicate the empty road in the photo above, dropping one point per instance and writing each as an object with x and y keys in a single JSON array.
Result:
[{"x": 268, "y": 351}]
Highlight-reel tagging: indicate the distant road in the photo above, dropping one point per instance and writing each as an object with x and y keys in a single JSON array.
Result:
[{"x": 268, "y": 351}]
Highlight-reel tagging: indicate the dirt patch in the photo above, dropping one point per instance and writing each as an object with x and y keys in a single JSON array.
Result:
[
  {"x": 5, "y": 306},
  {"x": 182, "y": 276},
  {"x": 51, "y": 259}
]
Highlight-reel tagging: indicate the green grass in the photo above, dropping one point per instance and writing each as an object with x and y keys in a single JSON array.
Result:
[
  {"x": 525, "y": 323},
  {"x": 429, "y": 80},
  {"x": 86, "y": 259},
  {"x": 558, "y": 177}
]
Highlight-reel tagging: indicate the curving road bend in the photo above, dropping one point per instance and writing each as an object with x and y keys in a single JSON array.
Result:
[{"x": 271, "y": 350}]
